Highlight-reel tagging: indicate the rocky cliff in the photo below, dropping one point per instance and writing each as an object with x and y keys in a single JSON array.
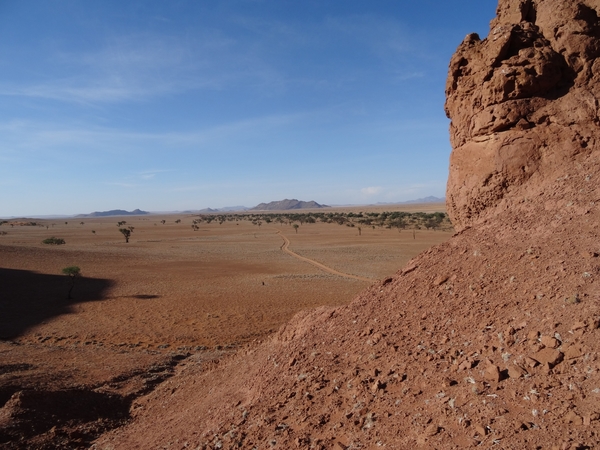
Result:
[{"x": 523, "y": 104}]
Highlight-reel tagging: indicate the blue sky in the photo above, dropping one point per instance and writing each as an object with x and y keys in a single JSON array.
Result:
[{"x": 175, "y": 105}]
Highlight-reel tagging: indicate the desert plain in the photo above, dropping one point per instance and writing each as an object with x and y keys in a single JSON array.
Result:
[
  {"x": 172, "y": 292},
  {"x": 172, "y": 287}
]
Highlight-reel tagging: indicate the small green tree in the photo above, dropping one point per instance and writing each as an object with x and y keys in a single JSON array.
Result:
[
  {"x": 126, "y": 232},
  {"x": 72, "y": 272},
  {"x": 53, "y": 241}
]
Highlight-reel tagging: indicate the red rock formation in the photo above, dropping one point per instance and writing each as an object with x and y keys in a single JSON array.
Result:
[{"x": 523, "y": 103}]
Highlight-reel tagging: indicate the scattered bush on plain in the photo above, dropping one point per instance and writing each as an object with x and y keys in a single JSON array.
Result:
[{"x": 54, "y": 241}]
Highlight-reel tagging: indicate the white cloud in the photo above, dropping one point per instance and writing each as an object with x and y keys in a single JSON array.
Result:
[
  {"x": 150, "y": 174},
  {"x": 137, "y": 67},
  {"x": 22, "y": 137},
  {"x": 372, "y": 190}
]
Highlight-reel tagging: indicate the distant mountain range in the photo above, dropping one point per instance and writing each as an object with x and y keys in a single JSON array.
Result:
[
  {"x": 281, "y": 205},
  {"x": 284, "y": 205},
  {"x": 430, "y": 199},
  {"x": 114, "y": 212},
  {"x": 217, "y": 210}
]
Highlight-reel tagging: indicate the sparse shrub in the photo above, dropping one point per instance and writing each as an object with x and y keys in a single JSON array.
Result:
[
  {"x": 126, "y": 232},
  {"x": 54, "y": 241},
  {"x": 72, "y": 272}
]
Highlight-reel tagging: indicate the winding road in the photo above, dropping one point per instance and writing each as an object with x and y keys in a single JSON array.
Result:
[{"x": 285, "y": 249}]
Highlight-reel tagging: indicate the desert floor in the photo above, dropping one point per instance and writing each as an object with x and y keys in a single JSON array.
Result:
[{"x": 172, "y": 290}]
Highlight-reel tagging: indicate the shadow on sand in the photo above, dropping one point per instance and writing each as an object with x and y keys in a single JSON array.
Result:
[{"x": 29, "y": 298}]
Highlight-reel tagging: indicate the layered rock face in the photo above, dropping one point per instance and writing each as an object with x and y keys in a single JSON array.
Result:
[{"x": 523, "y": 104}]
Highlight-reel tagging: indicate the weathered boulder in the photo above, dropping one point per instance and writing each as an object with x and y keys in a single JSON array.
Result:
[{"x": 523, "y": 103}]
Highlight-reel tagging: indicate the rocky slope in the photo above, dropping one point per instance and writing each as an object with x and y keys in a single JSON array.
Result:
[{"x": 490, "y": 339}]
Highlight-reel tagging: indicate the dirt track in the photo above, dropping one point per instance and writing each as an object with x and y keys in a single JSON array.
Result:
[{"x": 285, "y": 248}]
